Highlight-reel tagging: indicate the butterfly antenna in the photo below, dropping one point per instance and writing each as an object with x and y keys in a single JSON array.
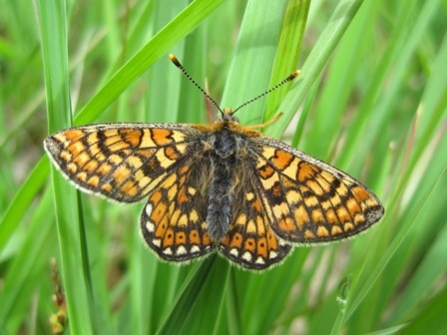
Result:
[
  {"x": 180, "y": 66},
  {"x": 289, "y": 78}
]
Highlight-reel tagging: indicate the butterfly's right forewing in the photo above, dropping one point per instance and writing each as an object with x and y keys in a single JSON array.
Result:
[{"x": 309, "y": 201}]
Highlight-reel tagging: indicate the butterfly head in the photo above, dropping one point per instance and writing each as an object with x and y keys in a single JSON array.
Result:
[{"x": 227, "y": 115}]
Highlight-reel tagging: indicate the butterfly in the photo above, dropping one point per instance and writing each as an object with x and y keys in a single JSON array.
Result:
[{"x": 223, "y": 187}]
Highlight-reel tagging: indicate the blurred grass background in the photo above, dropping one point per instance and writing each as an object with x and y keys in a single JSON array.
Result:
[{"x": 371, "y": 99}]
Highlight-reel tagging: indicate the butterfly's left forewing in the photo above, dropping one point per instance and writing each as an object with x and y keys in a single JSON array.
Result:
[{"x": 124, "y": 162}]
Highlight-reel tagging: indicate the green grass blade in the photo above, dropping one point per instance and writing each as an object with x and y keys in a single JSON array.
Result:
[
  {"x": 288, "y": 51},
  {"x": 52, "y": 19},
  {"x": 258, "y": 39},
  {"x": 31, "y": 261},
  {"x": 428, "y": 272},
  {"x": 22, "y": 200},
  {"x": 206, "y": 287},
  {"x": 430, "y": 319},
  {"x": 315, "y": 62},
  {"x": 158, "y": 46}
]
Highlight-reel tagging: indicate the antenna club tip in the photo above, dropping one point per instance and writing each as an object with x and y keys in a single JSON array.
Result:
[
  {"x": 294, "y": 74},
  {"x": 174, "y": 60}
]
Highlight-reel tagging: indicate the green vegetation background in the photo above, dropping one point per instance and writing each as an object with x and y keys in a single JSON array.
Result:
[{"x": 371, "y": 100}]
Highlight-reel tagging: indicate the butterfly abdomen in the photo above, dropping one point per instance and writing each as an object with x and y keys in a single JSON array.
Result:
[{"x": 221, "y": 198}]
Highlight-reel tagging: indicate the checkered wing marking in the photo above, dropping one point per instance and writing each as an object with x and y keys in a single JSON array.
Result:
[
  {"x": 124, "y": 162},
  {"x": 308, "y": 200},
  {"x": 173, "y": 220},
  {"x": 250, "y": 242}
]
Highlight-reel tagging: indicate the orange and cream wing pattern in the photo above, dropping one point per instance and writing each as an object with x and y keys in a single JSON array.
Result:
[
  {"x": 124, "y": 162},
  {"x": 173, "y": 220},
  {"x": 309, "y": 201},
  {"x": 250, "y": 242}
]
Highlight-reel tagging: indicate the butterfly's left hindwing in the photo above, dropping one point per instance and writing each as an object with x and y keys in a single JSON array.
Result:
[
  {"x": 173, "y": 220},
  {"x": 124, "y": 162}
]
